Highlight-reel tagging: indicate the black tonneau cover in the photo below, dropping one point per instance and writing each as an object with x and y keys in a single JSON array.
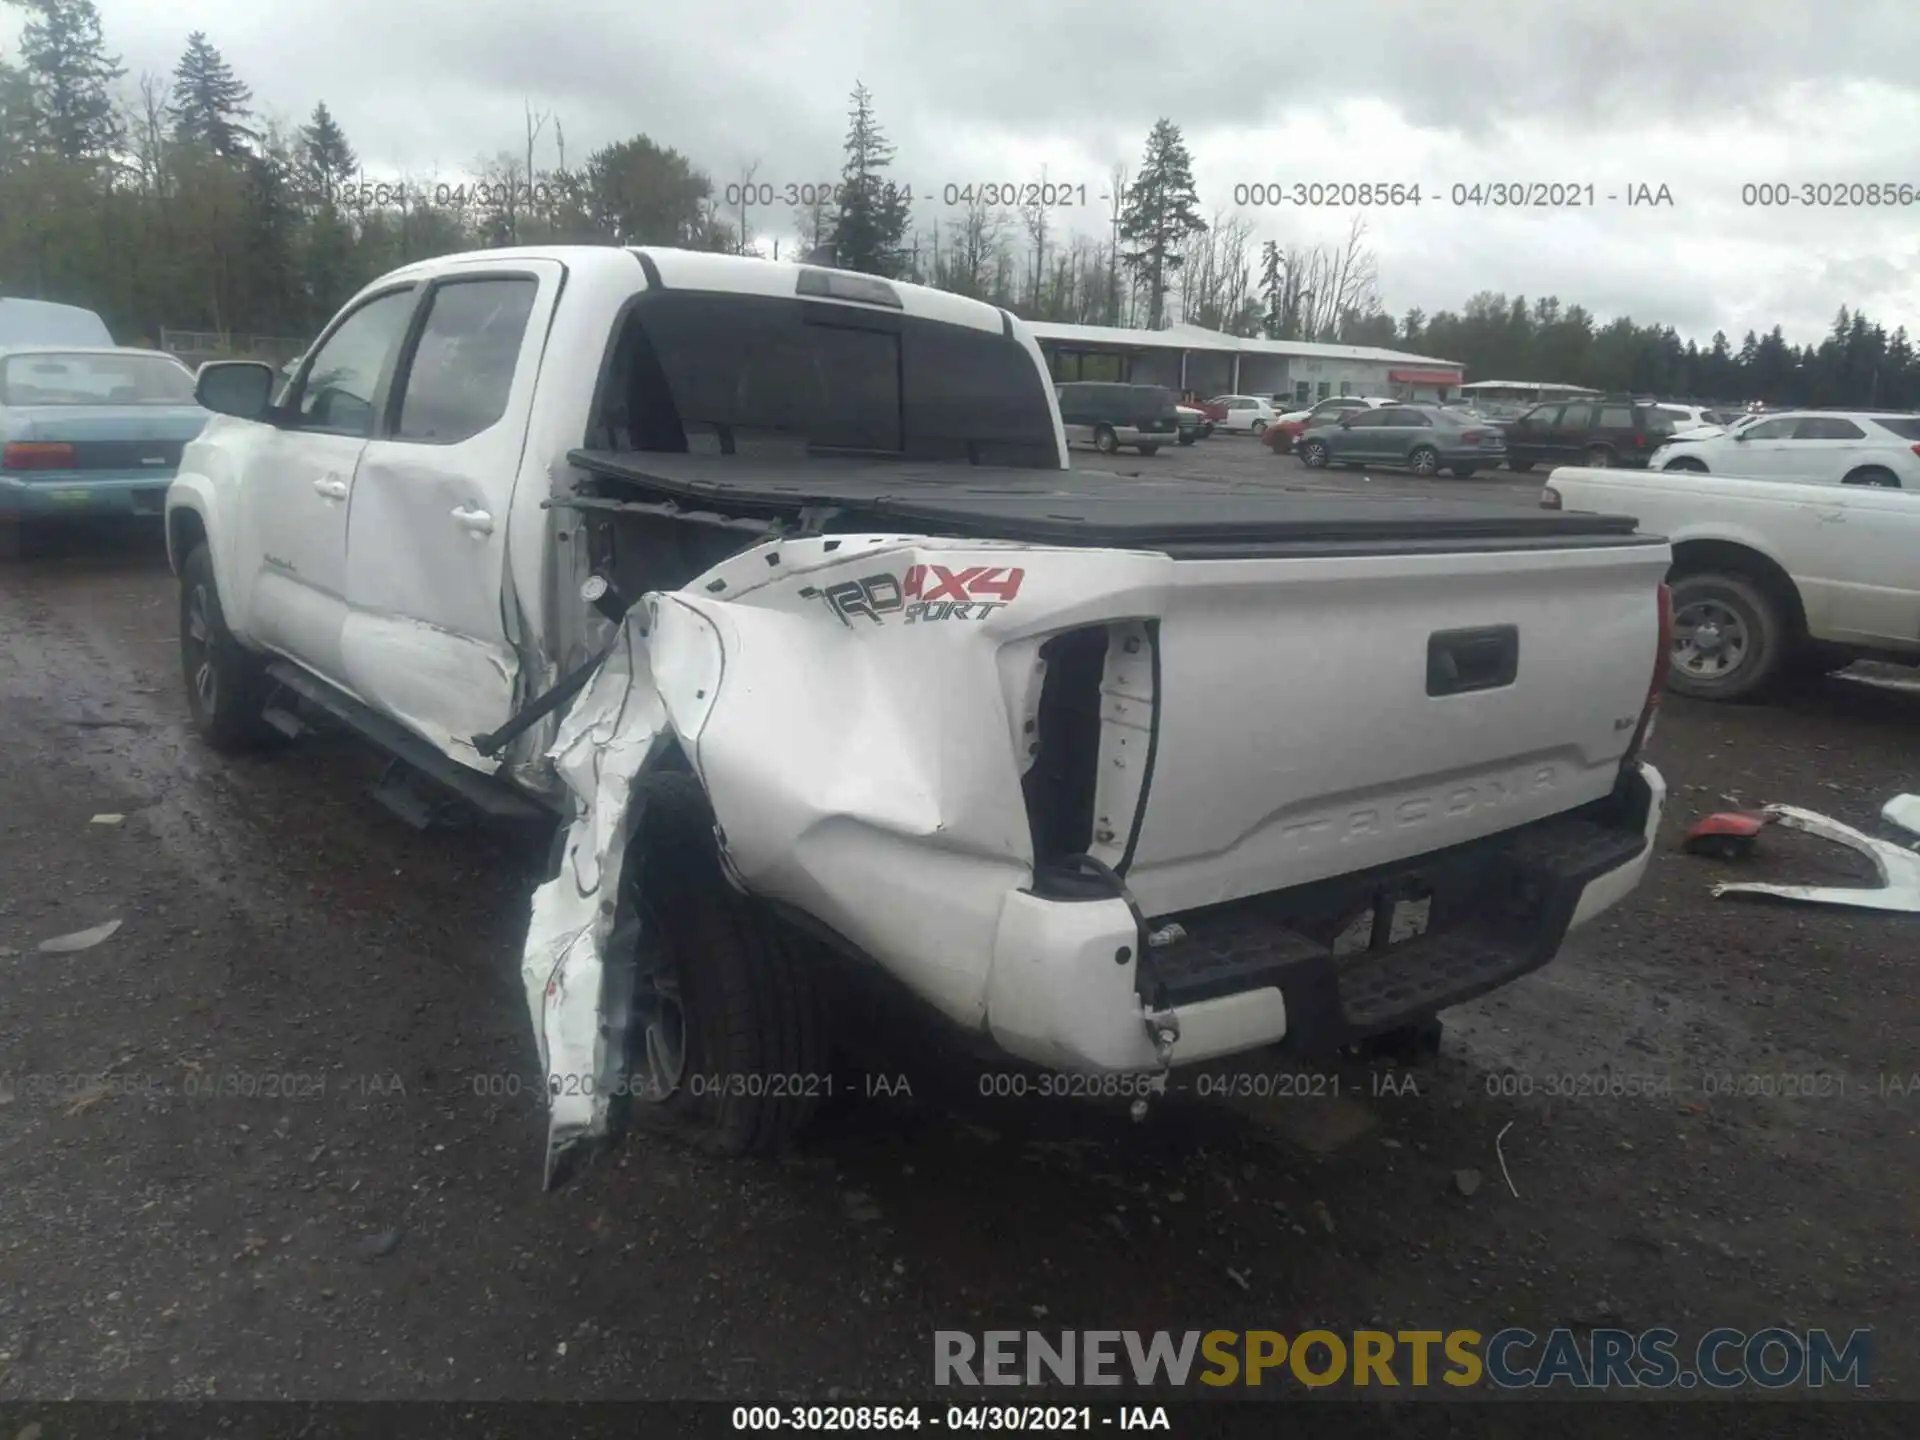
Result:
[{"x": 1096, "y": 507}]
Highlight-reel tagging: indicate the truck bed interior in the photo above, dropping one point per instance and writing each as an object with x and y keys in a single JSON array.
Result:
[{"x": 1187, "y": 518}]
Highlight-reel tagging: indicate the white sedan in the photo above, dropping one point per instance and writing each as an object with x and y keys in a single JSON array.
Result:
[
  {"x": 1828, "y": 447},
  {"x": 1246, "y": 414}
]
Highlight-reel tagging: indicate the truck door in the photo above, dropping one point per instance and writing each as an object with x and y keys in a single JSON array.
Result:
[
  {"x": 299, "y": 481},
  {"x": 426, "y": 637}
]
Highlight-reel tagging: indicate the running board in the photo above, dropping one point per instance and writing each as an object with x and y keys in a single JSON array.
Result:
[{"x": 491, "y": 797}]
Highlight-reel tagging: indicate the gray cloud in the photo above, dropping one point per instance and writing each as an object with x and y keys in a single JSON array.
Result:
[{"x": 1698, "y": 94}]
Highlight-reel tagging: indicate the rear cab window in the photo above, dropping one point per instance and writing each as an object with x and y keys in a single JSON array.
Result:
[
  {"x": 463, "y": 364},
  {"x": 722, "y": 372},
  {"x": 47, "y": 378}
]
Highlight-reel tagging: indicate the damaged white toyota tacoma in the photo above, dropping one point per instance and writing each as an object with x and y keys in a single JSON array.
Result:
[{"x": 772, "y": 589}]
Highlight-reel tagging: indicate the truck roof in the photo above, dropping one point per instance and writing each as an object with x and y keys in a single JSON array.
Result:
[{"x": 1098, "y": 508}]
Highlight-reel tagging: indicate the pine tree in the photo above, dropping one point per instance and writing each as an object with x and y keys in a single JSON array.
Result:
[
  {"x": 327, "y": 161},
  {"x": 870, "y": 226},
  {"x": 1162, "y": 212},
  {"x": 209, "y": 102},
  {"x": 69, "y": 73}
]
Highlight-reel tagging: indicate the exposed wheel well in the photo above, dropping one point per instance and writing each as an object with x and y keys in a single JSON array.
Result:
[
  {"x": 1691, "y": 557},
  {"x": 184, "y": 531},
  {"x": 1852, "y": 477}
]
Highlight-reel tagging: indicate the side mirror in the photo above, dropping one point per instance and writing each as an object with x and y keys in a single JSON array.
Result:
[
  {"x": 1739, "y": 434},
  {"x": 242, "y": 388}
]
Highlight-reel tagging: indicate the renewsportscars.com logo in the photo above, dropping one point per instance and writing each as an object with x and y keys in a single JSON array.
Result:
[{"x": 1508, "y": 1359}]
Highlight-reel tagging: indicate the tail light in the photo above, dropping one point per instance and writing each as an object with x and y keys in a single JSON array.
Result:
[
  {"x": 1473, "y": 437},
  {"x": 1915, "y": 449},
  {"x": 1639, "y": 441},
  {"x": 1549, "y": 499},
  {"x": 1662, "y": 663},
  {"x": 34, "y": 455}
]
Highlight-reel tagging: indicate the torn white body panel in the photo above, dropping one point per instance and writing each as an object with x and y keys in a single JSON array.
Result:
[
  {"x": 861, "y": 712},
  {"x": 1898, "y": 867},
  {"x": 1904, "y": 811},
  {"x": 615, "y": 726}
]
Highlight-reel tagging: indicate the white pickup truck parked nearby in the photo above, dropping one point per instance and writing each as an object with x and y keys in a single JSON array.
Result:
[
  {"x": 1771, "y": 578},
  {"x": 771, "y": 586}
]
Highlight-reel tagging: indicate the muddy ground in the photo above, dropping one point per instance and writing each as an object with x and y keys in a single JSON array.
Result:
[{"x": 376, "y": 1228}]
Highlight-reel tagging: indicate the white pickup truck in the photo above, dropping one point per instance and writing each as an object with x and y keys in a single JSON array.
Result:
[
  {"x": 772, "y": 587},
  {"x": 1772, "y": 579}
]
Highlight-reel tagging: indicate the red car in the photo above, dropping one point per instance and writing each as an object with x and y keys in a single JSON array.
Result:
[{"x": 1216, "y": 413}]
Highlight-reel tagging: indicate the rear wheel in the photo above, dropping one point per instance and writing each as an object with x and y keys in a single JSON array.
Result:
[
  {"x": 1150, "y": 449},
  {"x": 1600, "y": 457},
  {"x": 226, "y": 684},
  {"x": 727, "y": 1038},
  {"x": 16, "y": 539},
  {"x": 1424, "y": 461},
  {"x": 1519, "y": 464},
  {"x": 1463, "y": 472},
  {"x": 1105, "y": 441},
  {"x": 1313, "y": 454},
  {"x": 1730, "y": 637},
  {"x": 1187, "y": 437}
]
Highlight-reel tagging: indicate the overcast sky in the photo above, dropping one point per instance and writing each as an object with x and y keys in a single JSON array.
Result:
[{"x": 1700, "y": 96}]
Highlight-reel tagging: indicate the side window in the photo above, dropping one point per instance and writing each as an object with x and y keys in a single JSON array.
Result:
[
  {"x": 1828, "y": 427},
  {"x": 337, "y": 394},
  {"x": 1406, "y": 417},
  {"x": 1771, "y": 430},
  {"x": 1576, "y": 417},
  {"x": 1620, "y": 417},
  {"x": 1368, "y": 419},
  {"x": 1543, "y": 415},
  {"x": 463, "y": 367}
]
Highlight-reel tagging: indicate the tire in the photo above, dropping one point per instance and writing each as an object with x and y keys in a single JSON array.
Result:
[
  {"x": 1520, "y": 465},
  {"x": 742, "y": 1000},
  {"x": 1600, "y": 457},
  {"x": 1313, "y": 454},
  {"x": 1464, "y": 472},
  {"x": 1873, "y": 476},
  {"x": 1746, "y": 620},
  {"x": 1188, "y": 437},
  {"x": 1150, "y": 449},
  {"x": 1687, "y": 464},
  {"x": 1424, "y": 461},
  {"x": 1105, "y": 441},
  {"x": 226, "y": 684},
  {"x": 17, "y": 539},
  {"x": 1259, "y": 427}
]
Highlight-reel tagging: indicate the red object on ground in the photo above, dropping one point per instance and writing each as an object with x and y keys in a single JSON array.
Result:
[
  {"x": 1279, "y": 436},
  {"x": 1729, "y": 833}
]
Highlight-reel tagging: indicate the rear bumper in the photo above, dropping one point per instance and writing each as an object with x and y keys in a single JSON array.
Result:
[
  {"x": 75, "y": 494},
  {"x": 1473, "y": 455},
  {"x": 1065, "y": 989}
]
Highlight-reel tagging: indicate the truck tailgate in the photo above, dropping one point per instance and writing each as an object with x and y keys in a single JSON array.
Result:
[{"x": 1321, "y": 715}]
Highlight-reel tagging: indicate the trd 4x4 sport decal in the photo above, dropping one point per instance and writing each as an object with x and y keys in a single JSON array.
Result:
[{"x": 925, "y": 592}]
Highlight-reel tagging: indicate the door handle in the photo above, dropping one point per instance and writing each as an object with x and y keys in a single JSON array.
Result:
[
  {"x": 478, "y": 521},
  {"x": 331, "y": 486}
]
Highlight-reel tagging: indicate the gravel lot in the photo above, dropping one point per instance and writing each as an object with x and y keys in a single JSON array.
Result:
[{"x": 377, "y": 1229}]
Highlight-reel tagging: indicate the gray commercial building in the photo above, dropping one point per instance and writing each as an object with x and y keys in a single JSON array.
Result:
[{"x": 1188, "y": 357}]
